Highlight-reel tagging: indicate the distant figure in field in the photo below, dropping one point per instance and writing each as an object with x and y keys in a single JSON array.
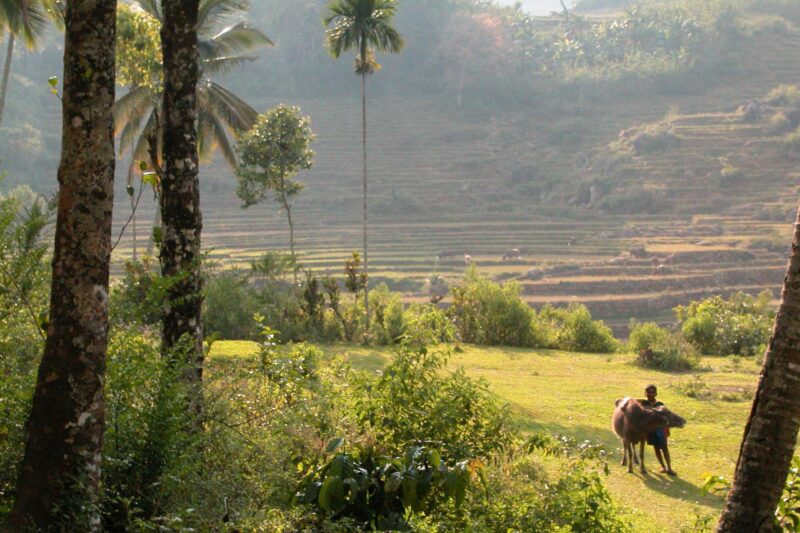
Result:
[
  {"x": 467, "y": 259},
  {"x": 658, "y": 438},
  {"x": 512, "y": 255}
]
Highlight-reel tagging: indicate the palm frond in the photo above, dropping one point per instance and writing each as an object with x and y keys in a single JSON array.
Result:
[
  {"x": 234, "y": 111},
  {"x": 133, "y": 104},
  {"x": 27, "y": 19},
  {"x": 239, "y": 37},
  {"x": 212, "y": 134},
  {"x": 214, "y": 13},
  {"x": 222, "y": 65}
]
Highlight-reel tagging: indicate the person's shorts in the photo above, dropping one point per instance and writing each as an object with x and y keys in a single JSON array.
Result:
[{"x": 657, "y": 438}]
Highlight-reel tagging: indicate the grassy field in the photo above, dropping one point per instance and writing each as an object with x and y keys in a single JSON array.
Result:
[{"x": 573, "y": 394}]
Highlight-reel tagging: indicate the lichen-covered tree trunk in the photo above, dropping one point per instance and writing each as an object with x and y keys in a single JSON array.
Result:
[
  {"x": 771, "y": 431},
  {"x": 65, "y": 428},
  {"x": 180, "y": 192}
]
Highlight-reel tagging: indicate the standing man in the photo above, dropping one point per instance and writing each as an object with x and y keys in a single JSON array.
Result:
[{"x": 658, "y": 438}]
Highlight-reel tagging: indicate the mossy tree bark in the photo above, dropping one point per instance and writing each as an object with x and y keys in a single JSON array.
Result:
[
  {"x": 64, "y": 436},
  {"x": 771, "y": 431},
  {"x": 182, "y": 222}
]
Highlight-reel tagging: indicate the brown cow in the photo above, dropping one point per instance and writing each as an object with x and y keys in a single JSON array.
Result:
[{"x": 632, "y": 422}]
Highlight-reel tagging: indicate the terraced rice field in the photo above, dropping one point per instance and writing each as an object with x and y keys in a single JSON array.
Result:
[{"x": 444, "y": 185}]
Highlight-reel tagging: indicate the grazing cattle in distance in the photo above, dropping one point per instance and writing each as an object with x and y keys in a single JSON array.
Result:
[
  {"x": 632, "y": 421},
  {"x": 512, "y": 255}
]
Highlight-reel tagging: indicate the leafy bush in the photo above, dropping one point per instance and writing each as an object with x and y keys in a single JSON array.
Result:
[
  {"x": 415, "y": 401},
  {"x": 229, "y": 306},
  {"x": 572, "y": 329},
  {"x": 784, "y": 96},
  {"x": 792, "y": 141},
  {"x": 381, "y": 492},
  {"x": 740, "y": 325},
  {"x": 489, "y": 314},
  {"x": 655, "y": 138},
  {"x": 660, "y": 349},
  {"x": 387, "y": 321},
  {"x": 428, "y": 324},
  {"x": 778, "y": 124}
]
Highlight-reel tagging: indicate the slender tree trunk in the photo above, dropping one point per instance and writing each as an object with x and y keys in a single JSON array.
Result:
[
  {"x": 6, "y": 73},
  {"x": 288, "y": 207},
  {"x": 180, "y": 193},
  {"x": 65, "y": 427},
  {"x": 156, "y": 223},
  {"x": 364, "y": 153},
  {"x": 771, "y": 431}
]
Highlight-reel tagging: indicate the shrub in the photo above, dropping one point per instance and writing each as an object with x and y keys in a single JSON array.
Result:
[
  {"x": 229, "y": 306},
  {"x": 778, "y": 124},
  {"x": 654, "y": 138},
  {"x": 428, "y": 324},
  {"x": 414, "y": 400},
  {"x": 671, "y": 353},
  {"x": 382, "y": 492},
  {"x": 792, "y": 141},
  {"x": 645, "y": 336},
  {"x": 739, "y": 325},
  {"x": 387, "y": 322},
  {"x": 784, "y": 96},
  {"x": 489, "y": 314},
  {"x": 572, "y": 329}
]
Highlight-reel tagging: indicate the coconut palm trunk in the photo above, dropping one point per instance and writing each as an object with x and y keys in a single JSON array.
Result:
[
  {"x": 180, "y": 194},
  {"x": 771, "y": 431},
  {"x": 60, "y": 472},
  {"x": 6, "y": 73},
  {"x": 364, "y": 154}
]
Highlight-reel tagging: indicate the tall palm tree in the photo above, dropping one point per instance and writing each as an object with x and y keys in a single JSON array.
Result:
[
  {"x": 770, "y": 434},
  {"x": 223, "y": 43},
  {"x": 26, "y": 19},
  {"x": 362, "y": 25},
  {"x": 60, "y": 472}
]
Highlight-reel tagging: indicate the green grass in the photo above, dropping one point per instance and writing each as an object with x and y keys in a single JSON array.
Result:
[{"x": 573, "y": 394}]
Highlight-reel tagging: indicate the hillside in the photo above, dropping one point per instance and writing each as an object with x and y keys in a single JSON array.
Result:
[{"x": 561, "y": 182}]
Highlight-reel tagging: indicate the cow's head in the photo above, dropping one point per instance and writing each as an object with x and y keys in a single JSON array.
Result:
[{"x": 672, "y": 420}]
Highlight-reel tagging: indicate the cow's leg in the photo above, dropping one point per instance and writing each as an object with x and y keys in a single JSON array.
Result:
[
  {"x": 635, "y": 457},
  {"x": 624, "y": 453},
  {"x": 641, "y": 456},
  {"x": 631, "y": 454}
]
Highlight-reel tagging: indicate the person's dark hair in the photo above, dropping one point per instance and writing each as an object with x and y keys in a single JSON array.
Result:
[{"x": 649, "y": 387}]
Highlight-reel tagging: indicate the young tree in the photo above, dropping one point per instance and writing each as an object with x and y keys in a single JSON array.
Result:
[
  {"x": 182, "y": 328},
  {"x": 65, "y": 428},
  {"x": 770, "y": 434},
  {"x": 270, "y": 156},
  {"x": 359, "y": 25},
  {"x": 223, "y": 40}
]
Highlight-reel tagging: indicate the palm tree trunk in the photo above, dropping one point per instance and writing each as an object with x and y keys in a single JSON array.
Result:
[
  {"x": 60, "y": 473},
  {"x": 364, "y": 153},
  {"x": 771, "y": 431},
  {"x": 182, "y": 331},
  {"x": 6, "y": 73}
]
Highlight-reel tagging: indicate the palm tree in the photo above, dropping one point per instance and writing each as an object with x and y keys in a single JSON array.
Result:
[
  {"x": 359, "y": 25},
  {"x": 770, "y": 434},
  {"x": 223, "y": 45},
  {"x": 60, "y": 472},
  {"x": 27, "y": 19}
]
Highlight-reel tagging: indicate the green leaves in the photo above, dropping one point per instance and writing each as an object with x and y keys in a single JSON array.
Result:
[
  {"x": 334, "y": 444},
  {"x": 271, "y": 153},
  {"x": 385, "y": 490}
]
